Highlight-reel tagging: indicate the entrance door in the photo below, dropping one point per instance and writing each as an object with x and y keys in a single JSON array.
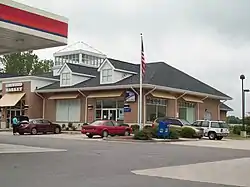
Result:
[
  {"x": 105, "y": 114},
  {"x": 112, "y": 115}
]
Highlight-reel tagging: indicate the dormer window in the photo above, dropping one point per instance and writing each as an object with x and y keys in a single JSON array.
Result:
[
  {"x": 107, "y": 75},
  {"x": 65, "y": 79}
]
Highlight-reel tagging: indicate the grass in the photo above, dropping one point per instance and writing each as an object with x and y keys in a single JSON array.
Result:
[{"x": 237, "y": 137}]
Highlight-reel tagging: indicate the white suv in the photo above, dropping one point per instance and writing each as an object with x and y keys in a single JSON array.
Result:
[{"x": 213, "y": 129}]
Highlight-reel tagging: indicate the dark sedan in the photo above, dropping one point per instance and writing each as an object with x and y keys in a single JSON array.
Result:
[{"x": 36, "y": 126}]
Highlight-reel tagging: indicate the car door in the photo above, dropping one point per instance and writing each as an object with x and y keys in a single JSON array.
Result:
[
  {"x": 39, "y": 125},
  {"x": 110, "y": 127},
  {"x": 119, "y": 130},
  {"x": 47, "y": 126},
  {"x": 205, "y": 127}
]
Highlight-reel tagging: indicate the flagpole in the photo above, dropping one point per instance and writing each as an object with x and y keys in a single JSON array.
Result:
[{"x": 140, "y": 100}]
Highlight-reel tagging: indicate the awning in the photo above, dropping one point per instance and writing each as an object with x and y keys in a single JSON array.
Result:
[
  {"x": 163, "y": 95},
  {"x": 10, "y": 99},
  {"x": 64, "y": 96},
  {"x": 106, "y": 94},
  {"x": 192, "y": 99}
]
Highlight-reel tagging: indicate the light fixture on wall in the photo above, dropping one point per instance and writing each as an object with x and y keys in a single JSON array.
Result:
[{"x": 90, "y": 107}]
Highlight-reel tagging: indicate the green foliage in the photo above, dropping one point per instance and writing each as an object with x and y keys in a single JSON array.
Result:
[
  {"x": 143, "y": 135},
  {"x": 174, "y": 134},
  {"x": 248, "y": 129},
  {"x": 187, "y": 132},
  {"x": 25, "y": 63},
  {"x": 237, "y": 129},
  {"x": 70, "y": 125},
  {"x": 135, "y": 128},
  {"x": 233, "y": 120}
]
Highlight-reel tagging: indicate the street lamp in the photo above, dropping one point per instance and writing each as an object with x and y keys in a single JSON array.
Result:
[{"x": 242, "y": 77}]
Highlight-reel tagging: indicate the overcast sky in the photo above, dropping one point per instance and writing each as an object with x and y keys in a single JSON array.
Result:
[{"x": 208, "y": 39}]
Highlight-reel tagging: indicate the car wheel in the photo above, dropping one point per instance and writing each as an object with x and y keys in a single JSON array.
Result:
[
  {"x": 34, "y": 131},
  {"x": 211, "y": 136},
  {"x": 127, "y": 133},
  {"x": 105, "y": 134},
  {"x": 57, "y": 130},
  {"x": 219, "y": 137},
  {"x": 90, "y": 136}
]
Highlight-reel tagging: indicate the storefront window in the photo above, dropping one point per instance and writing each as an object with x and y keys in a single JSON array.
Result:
[
  {"x": 187, "y": 111},
  {"x": 155, "y": 108},
  {"x": 98, "y": 114},
  {"x": 108, "y": 104}
]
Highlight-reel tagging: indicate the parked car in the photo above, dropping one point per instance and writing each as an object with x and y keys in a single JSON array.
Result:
[
  {"x": 213, "y": 129},
  {"x": 36, "y": 126},
  {"x": 178, "y": 124},
  {"x": 104, "y": 128}
]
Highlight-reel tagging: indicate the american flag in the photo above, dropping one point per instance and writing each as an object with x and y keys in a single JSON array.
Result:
[{"x": 143, "y": 63}]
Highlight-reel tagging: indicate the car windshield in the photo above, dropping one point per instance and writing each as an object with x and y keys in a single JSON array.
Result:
[
  {"x": 185, "y": 122},
  {"x": 96, "y": 123}
]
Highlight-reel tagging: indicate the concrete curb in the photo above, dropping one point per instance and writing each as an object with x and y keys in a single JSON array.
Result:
[
  {"x": 71, "y": 132},
  {"x": 148, "y": 141}
]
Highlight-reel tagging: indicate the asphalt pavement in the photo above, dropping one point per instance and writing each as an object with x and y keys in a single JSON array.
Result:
[{"x": 58, "y": 162}]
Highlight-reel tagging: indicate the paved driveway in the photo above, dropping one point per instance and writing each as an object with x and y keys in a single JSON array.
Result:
[{"x": 77, "y": 163}]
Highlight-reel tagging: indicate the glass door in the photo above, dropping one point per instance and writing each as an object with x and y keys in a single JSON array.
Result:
[
  {"x": 112, "y": 114},
  {"x": 105, "y": 114}
]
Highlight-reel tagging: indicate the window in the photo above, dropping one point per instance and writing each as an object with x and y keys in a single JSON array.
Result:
[
  {"x": 68, "y": 110},
  {"x": 65, "y": 79},
  {"x": 175, "y": 122},
  {"x": 215, "y": 125},
  {"x": 107, "y": 75},
  {"x": 205, "y": 124},
  {"x": 155, "y": 108},
  {"x": 109, "y": 123},
  {"x": 46, "y": 121},
  {"x": 197, "y": 123}
]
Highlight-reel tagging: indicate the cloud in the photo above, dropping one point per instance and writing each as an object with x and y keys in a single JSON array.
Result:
[{"x": 210, "y": 40}]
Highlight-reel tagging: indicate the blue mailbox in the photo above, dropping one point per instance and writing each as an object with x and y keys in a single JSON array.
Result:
[{"x": 163, "y": 129}]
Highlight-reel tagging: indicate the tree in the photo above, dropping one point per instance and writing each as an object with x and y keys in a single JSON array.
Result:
[
  {"x": 233, "y": 120},
  {"x": 25, "y": 63}
]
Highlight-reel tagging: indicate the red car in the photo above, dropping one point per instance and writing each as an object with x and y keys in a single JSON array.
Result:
[
  {"x": 36, "y": 126},
  {"x": 104, "y": 128}
]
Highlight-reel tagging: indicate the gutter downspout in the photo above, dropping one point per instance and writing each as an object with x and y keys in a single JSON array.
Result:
[
  {"x": 138, "y": 105},
  {"x": 198, "y": 107},
  {"x": 43, "y": 98},
  {"x": 176, "y": 104},
  {"x": 86, "y": 106},
  {"x": 219, "y": 109},
  {"x": 144, "y": 104}
]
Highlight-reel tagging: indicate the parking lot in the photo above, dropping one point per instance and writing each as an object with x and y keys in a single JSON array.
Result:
[{"x": 74, "y": 160}]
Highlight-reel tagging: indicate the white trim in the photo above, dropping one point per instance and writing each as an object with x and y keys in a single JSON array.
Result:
[
  {"x": 137, "y": 86},
  {"x": 82, "y": 74},
  {"x": 25, "y": 78},
  {"x": 105, "y": 61},
  {"x": 78, "y": 51},
  {"x": 35, "y": 33},
  {"x": 60, "y": 70},
  {"x": 125, "y": 71},
  {"x": 70, "y": 79},
  {"x": 33, "y": 10}
]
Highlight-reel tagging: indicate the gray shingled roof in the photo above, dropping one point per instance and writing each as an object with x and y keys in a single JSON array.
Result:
[
  {"x": 76, "y": 68},
  {"x": 124, "y": 65},
  {"x": 49, "y": 75},
  {"x": 224, "y": 107},
  {"x": 7, "y": 75},
  {"x": 157, "y": 73}
]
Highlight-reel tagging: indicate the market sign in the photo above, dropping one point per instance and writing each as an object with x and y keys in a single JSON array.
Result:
[{"x": 14, "y": 87}]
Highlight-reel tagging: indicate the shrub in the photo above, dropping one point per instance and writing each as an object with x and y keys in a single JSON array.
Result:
[
  {"x": 143, "y": 135},
  {"x": 63, "y": 126},
  {"x": 248, "y": 129},
  {"x": 187, "y": 132},
  {"x": 237, "y": 129},
  {"x": 135, "y": 128},
  {"x": 174, "y": 134},
  {"x": 147, "y": 127},
  {"x": 73, "y": 128},
  {"x": 124, "y": 125},
  {"x": 67, "y": 128},
  {"x": 70, "y": 125}
]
